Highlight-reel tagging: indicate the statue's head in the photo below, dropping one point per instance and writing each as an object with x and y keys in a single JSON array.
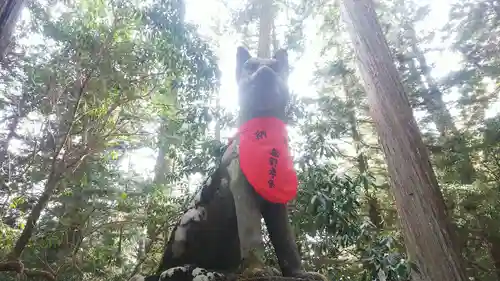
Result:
[{"x": 262, "y": 85}]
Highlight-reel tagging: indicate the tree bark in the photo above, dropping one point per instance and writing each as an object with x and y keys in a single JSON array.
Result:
[
  {"x": 10, "y": 10},
  {"x": 362, "y": 163},
  {"x": 32, "y": 220},
  {"x": 265, "y": 27},
  {"x": 419, "y": 202},
  {"x": 494, "y": 242},
  {"x": 57, "y": 169},
  {"x": 433, "y": 101},
  {"x": 218, "y": 117},
  {"x": 163, "y": 166},
  {"x": 12, "y": 127}
]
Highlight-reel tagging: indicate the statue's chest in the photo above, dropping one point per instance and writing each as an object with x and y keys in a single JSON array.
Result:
[{"x": 261, "y": 146}]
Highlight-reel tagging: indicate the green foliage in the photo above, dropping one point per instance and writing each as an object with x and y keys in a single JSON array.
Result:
[
  {"x": 113, "y": 101},
  {"x": 97, "y": 76}
]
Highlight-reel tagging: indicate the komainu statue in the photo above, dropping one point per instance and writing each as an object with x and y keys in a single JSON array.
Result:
[{"x": 219, "y": 236}]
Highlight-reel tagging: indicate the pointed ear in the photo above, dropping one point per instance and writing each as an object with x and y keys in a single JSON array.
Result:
[
  {"x": 281, "y": 56},
  {"x": 242, "y": 55}
]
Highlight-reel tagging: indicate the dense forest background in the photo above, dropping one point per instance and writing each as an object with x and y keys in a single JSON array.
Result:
[{"x": 113, "y": 111}]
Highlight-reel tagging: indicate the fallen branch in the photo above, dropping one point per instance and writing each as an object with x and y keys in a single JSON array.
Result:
[
  {"x": 18, "y": 267},
  {"x": 40, "y": 274},
  {"x": 191, "y": 273},
  {"x": 272, "y": 278}
]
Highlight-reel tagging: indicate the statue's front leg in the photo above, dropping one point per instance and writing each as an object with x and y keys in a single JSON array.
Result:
[
  {"x": 248, "y": 216},
  {"x": 283, "y": 240},
  {"x": 247, "y": 209}
]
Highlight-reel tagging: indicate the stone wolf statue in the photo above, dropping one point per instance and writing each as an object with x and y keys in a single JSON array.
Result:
[{"x": 220, "y": 234}]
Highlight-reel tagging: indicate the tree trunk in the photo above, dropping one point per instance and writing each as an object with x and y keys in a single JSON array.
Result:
[
  {"x": 32, "y": 220},
  {"x": 433, "y": 101},
  {"x": 274, "y": 39},
  {"x": 265, "y": 27},
  {"x": 10, "y": 10},
  {"x": 433, "y": 98},
  {"x": 495, "y": 253},
  {"x": 12, "y": 127},
  {"x": 362, "y": 163},
  {"x": 218, "y": 117},
  {"x": 74, "y": 216},
  {"x": 58, "y": 168},
  {"x": 163, "y": 166},
  {"x": 419, "y": 201},
  {"x": 166, "y": 137}
]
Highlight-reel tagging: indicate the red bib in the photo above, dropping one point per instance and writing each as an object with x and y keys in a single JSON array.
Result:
[{"x": 265, "y": 159}]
